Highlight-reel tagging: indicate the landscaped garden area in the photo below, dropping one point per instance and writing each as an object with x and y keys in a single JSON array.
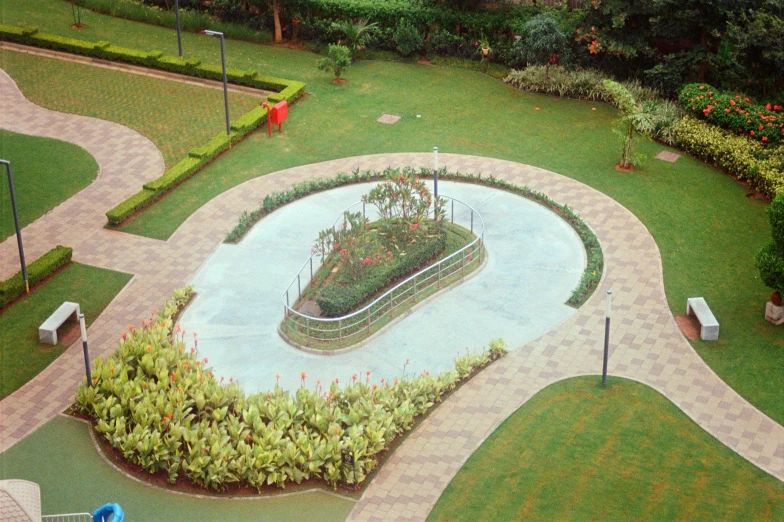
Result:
[{"x": 162, "y": 406}]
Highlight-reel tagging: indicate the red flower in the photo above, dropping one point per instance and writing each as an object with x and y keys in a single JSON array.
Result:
[
  {"x": 751, "y": 132},
  {"x": 727, "y": 110},
  {"x": 702, "y": 87},
  {"x": 366, "y": 261},
  {"x": 768, "y": 107},
  {"x": 732, "y": 102},
  {"x": 764, "y": 139}
]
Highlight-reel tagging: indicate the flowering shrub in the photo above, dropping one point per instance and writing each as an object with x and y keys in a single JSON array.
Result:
[
  {"x": 734, "y": 112},
  {"x": 740, "y": 155},
  {"x": 158, "y": 403}
]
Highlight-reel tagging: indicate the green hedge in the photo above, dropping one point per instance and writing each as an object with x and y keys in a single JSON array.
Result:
[
  {"x": 180, "y": 172},
  {"x": 734, "y": 112},
  {"x": 741, "y": 156},
  {"x": 134, "y": 203},
  {"x": 250, "y": 120},
  {"x": 289, "y": 90},
  {"x": 37, "y": 271},
  {"x": 339, "y": 299}
]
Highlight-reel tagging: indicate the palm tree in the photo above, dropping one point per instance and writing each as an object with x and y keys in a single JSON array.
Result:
[
  {"x": 635, "y": 115},
  {"x": 357, "y": 34}
]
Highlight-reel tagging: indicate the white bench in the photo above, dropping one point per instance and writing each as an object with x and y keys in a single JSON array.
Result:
[
  {"x": 710, "y": 326},
  {"x": 47, "y": 332}
]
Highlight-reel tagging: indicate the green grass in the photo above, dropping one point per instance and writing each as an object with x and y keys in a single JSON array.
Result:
[
  {"x": 62, "y": 449},
  {"x": 46, "y": 172},
  {"x": 706, "y": 228},
  {"x": 175, "y": 116},
  {"x": 22, "y": 357},
  {"x": 576, "y": 451}
]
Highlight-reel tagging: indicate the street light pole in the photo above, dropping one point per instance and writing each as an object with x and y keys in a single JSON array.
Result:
[
  {"x": 16, "y": 223},
  {"x": 179, "y": 35},
  {"x": 225, "y": 82},
  {"x": 84, "y": 348},
  {"x": 606, "y": 337}
]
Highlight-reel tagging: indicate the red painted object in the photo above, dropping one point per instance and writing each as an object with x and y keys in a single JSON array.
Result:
[{"x": 277, "y": 114}]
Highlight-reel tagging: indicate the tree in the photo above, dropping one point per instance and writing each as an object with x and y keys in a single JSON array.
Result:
[
  {"x": 357, "y": 34},
  {"x": 770, "y": 260},
  {"x": 542, "y": 41},
  {"x": 337, "y": 59},
  {"x": 758, "y": 36},
  {"x": 634, "y": 115}
]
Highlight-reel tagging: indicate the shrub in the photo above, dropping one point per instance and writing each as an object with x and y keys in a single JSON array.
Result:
[
  {"x": 125, "y": 209},
  {"x": 407, "y": 38},
  {"x": 339, "y": 299},
  {"x": 157, "y": 403},
  {"x": 739, "y": 155},
  {"x": 770, "y": 260},
  {"x": 37, "y": 271},
  {"x": 178, "y": 173},
  {"x": 734, "y": 112},
  {"x": 337, "y": 59}
]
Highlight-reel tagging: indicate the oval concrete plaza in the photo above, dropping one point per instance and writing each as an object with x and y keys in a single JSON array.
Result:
[
  {"x": 535, "y": 261},
  {"x": 647, "y": 345}
]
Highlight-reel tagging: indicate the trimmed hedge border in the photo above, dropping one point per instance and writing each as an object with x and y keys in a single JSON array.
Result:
[
  {"x": 595, "y": 259},
  {"x": 288, "y": 90},
  {"x": 37, "y": 271}
]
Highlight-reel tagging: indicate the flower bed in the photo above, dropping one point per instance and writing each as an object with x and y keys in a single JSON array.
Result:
[
  {"x": 734, "y": 112},
  {"x": 162, "y": 407}
]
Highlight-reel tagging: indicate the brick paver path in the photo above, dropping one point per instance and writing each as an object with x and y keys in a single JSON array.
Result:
[{"x": 646, "y": 343}]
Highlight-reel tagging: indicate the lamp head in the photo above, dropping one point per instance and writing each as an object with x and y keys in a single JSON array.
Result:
[{"x": 212, "y": 33}]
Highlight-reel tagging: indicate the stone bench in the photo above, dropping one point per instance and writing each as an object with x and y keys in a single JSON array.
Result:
[
  {"x": 697, "y": 306},
  {"x": 47, "y": 332}
]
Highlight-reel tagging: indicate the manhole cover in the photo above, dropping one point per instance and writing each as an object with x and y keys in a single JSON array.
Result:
[
  {"x": 389, "y": 119},
  {"x": 668, "y": 156}
]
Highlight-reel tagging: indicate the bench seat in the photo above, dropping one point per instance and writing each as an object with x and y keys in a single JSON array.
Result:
[
  {"x": 697, "y": 306},
  {"x": 47, "y": 332}
]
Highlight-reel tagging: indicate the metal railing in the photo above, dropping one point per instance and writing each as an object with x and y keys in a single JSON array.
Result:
[
  {"x": 71, "y": 517},
  {"x": 343, "y": 331}
]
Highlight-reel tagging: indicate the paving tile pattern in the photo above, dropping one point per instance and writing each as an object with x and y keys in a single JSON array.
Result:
[{"x": 647, "y": 345}]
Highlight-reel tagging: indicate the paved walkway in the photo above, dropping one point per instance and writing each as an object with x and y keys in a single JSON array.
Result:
[{"x": 647, "y": 344}]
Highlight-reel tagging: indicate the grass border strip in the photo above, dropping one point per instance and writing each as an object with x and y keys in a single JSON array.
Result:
[{"x": 595, "y": 259}]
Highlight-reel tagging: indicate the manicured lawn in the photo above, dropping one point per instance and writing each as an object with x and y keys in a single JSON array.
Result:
[
  {"x": 175, "y": 116},
  {"x": 46, "y": 173},
  {"x": 578, "y": 452},
  {"x": 61, "y": 458},
  {"x": 22, "y": 356},
  {"x": 706, "y": 228}
]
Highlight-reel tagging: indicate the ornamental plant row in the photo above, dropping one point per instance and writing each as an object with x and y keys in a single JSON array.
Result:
[
  {"x": 159, "y": 404},
  {"x": 734, "y": 112},
  {"x": 37, "y": 271}
]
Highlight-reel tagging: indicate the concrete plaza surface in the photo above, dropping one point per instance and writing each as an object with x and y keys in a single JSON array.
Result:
[{"x": 535, "y": 261}]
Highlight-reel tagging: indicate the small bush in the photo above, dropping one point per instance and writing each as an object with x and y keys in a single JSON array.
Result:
[
  {"x": 37, "y": 271},
  {"x": 408, "y": 41},
  {"x": 337, "y": 59}
]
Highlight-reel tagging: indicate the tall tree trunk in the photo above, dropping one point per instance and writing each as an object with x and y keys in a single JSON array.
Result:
[{"x": 276, "y": 19}]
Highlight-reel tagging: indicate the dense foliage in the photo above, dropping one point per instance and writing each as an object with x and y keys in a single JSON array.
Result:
[
  {"x": 770, "y": 260},
  {"x": 734, "y": 112},
  {"x": 159, "y": 404},
  {"x": 367, "y": 258}
]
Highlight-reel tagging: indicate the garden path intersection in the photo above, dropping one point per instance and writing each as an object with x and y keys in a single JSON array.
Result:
[{"x": 646, "y": 346}]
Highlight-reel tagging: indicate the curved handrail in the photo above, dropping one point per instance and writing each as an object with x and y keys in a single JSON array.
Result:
[{"x": 365, "y": 311}]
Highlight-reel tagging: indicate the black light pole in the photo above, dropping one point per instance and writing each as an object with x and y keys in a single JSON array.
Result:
[
  {"x": 177, "y": 16},
  {"x": 606, "y": 337},
  {"x": 84, "y": 347},
  {"x": 16, "y": 222},
  {"x": 225, "y": 83}
]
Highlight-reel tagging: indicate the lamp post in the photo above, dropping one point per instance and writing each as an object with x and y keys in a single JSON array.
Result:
[
  {"x": 606, "y": 337},
  {"x": 225, "y": 83},
  {"x": 435, "y": 183},
  {"x": 16, "y": 223},
  {"x": 179, "y": 34},
  {"x": 84, "y": 347}
]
